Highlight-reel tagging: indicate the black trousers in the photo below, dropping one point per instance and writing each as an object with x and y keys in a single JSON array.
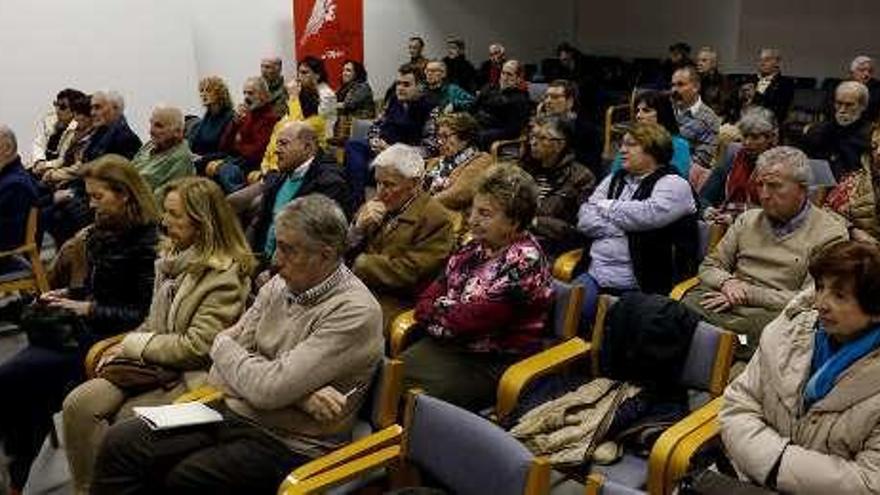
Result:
[
  {"x": 34, "y": 382},
  {"x": 225, "y": 458}
]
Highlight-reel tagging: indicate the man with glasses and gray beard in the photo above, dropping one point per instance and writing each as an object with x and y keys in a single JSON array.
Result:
[{"x": 844, "y": 140}]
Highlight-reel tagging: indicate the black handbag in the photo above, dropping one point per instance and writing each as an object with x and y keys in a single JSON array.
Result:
[{"x": 57, "y": 329}]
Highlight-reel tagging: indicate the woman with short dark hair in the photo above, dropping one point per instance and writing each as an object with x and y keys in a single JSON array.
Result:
[
  {"x": 803, "y": 416},
  {"x": 355, "y": 96},
  {"x": 654, "y": 107},
  {"x": 489, "y": 307},
  {"x": 311, "y": 72}
]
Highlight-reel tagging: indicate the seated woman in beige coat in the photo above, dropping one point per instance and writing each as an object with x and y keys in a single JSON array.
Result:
[
  {"x": 804, "y": 416},
  {"x": 202, "y": 281}
]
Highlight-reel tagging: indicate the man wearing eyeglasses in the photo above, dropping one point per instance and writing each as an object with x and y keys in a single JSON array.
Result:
[
  {"x": 55, "y": 128},
  {"x": 503, "y": 111}
]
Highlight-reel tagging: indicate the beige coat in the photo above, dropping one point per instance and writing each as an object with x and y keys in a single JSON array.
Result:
[
  {"x": 206, "y": 302},
  {"x": 834, "y": 447}
]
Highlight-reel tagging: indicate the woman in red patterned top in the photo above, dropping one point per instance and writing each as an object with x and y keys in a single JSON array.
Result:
[{"x": 489, "y": 307}]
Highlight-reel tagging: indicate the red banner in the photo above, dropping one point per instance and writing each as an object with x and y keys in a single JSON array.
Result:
[{"x": 332, "y": 30}]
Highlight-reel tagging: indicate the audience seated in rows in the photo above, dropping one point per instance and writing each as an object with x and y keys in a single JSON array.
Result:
[
  {"x": 409, "y": 118},
  {"x": 446, "y": 96},
  {"x": 503, "y": 110},
  {"x": 245, "y": 141},
  {"x": 453, "y": 176},
  {"x": 856, "y": 196},
  {"x": 312, "y": 73},
  {"x": 489, "y": 73},
  {"x": 697, "y": 123},
  {"x": 655, "y": 107},
  {"x": 205, "y": 136},
  {"x": 18, "y": 194},
  {"x": 400, "y": 239},
  {"x": 112, "y": 133},
  {"x": 303, "y": 169},
  {"x": 641, "y": 221},
  {"x": 55, "y": 130},
  {"x": 355, "y": 96},
  {"x": 563, "y": 184},
  {"x": 844, "y": 140},
  {"x": 202, "y": 282},
  {"x": 802, "y": 417},
  {"x": 271, "y": 72},
  {"x": 166, "y": 156},
  {"x": 761, "y": 262},
  {"x": 731, "y": 188},
  {"x": 561, "y": 99},
  {"x": 488, "y": 308},
  {"x": 459, "y": 69},
  {"x": 313, "y": 334},
  {"x": 71, "y": 143},
  {"x": 109, "y": 295}
]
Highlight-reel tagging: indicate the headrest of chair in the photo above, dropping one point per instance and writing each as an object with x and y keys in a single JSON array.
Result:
[{"x": 466, "y": 453}]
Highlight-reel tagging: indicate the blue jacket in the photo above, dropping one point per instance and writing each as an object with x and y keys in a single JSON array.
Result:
[{"x": 18, "y": 193}]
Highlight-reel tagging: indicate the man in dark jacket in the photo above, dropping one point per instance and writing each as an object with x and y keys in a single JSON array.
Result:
[
  {"x": 18, "y": 193},
  {"x": 302, "y": 170},
  {"x": 503, "y": 111},
  {"x": 844, "y": 140},
  {"x": 112, "y": 133},
  {"x": 459, "y": 69},
  {"x": 772, "y": 90}
]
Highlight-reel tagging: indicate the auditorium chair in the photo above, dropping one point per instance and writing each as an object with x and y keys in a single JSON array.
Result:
[{"x": 31, "y": 276}]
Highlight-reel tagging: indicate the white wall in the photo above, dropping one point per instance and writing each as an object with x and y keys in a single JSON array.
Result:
[{"x": 47, "y": 46}]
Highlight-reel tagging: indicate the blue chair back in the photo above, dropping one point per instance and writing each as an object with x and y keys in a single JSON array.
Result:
[{"x": 468, "y": 454}]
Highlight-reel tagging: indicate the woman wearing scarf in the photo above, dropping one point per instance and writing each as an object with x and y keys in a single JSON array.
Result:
[
  {"x": 804, "y": 416},
  {"x": 202, "y": 282}
]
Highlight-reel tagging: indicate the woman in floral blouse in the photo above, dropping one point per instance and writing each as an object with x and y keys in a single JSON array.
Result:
[{"x": 489, "y": 307}]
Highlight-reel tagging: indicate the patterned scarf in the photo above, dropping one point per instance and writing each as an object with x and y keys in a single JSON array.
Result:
[
  {"x": 438, "y": 178},
  {"x": 171, "y": 268}
]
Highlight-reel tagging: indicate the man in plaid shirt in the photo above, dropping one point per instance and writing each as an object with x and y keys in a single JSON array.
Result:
[{"x": 696, "y": 121}]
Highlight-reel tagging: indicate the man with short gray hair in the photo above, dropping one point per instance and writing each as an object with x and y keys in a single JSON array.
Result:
[
  {"x": 844, "y": 140},
  {"x": 861, "y": 69},
  {"x": 401, "y": 238},
  {"x": 18, "y": 193},
  {"x": 293, "y": 371},
  {"x": 166, "y": 156},
  {"x": 761, "y": 262},
  {"x": 772, "y": 90},
  {"x": 715, "y": 89},
  {"x": 112, "y": 133}
]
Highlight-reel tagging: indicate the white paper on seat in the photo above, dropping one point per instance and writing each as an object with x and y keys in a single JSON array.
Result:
[{"x": 177, "y": 415}]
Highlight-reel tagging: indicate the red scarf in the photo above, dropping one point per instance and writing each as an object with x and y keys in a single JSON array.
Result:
[{"x": 740, "y": 187}]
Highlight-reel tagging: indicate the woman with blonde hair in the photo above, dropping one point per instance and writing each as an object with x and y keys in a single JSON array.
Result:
[
  {"x": 112, "y": 295},
  {"x": 202, "y": 282},
  {"x": 205, "y": 136}
]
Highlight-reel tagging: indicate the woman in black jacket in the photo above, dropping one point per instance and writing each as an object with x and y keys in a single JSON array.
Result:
[{"x": 113, "y": 296}]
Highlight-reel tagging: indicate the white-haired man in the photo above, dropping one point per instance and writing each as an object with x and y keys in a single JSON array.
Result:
[
  {"x": 293, "y": 372},
  {"x": 761, "y": 262},
  {"x": 844, "y": 140},
  {"x": 715, "y": 89},
  {"x": 18, "y": 193},
  {"x": 112, "y": 132},
  {"x": 490, "y": 70},
  {"x": 166, "y": 155},
  {"x": 772, "y": 90},
  {"x": 401, "y": 238}
]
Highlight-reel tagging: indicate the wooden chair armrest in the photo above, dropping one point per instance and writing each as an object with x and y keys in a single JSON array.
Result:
[
  {"x": 401, "y": 328},
  {"x": 667, "y": 461},
  {"x": 563, "y": 267},
  {"x": 692, "y": 442},
  {"x": 341, "y": 474},
  {"x": 204, "y": 394},
  {"x": 521, "y": 374},
  {"x": 97, "y": 350},
  {"x": 678, "y": 292},
  {"x": 25, "y": 248},
  {"x": 367, "y": 445}
]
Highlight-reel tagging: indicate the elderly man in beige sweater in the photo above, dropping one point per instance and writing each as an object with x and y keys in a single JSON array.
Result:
[
  {"x": 294, "y": 371},
  {"x": 761, "y": 262}
]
